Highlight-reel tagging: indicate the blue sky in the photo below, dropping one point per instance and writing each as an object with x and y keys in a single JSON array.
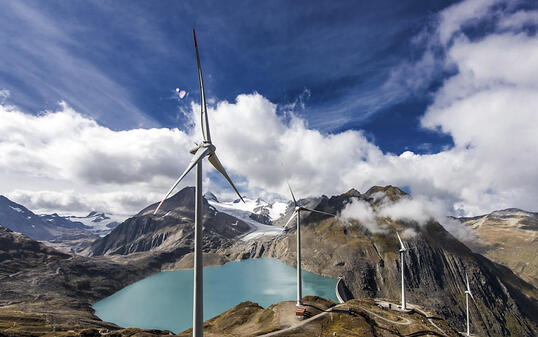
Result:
[
  {"x": 436, "y": 96},
  {"x": 120, "y": 61}
]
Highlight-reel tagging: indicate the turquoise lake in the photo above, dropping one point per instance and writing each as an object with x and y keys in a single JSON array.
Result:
[{"x": 164, "y": 300}]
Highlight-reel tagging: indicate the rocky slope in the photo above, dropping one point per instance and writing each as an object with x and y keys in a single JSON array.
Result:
[
  {"x": 354, "y": 318},
  {"x": 57, "y": 231},
  {"x": 20, "y": 219},
  {"x": 43, "y": 291},
  {"x": 508, "y": 237},
  {"x": 170, "y": 229},
  {"x": 435, "y": 265}
]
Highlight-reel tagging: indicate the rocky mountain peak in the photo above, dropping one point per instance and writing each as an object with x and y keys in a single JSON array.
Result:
[
  {"x": 211, "y": 197},
  {"x": 392, "y": 192},
  {"x": 353, "y": 193}
]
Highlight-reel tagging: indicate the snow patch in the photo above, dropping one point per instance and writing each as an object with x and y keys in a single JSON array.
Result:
[
  {"x": 242, "y": 212},
  {"x": 16, "y": 209}
]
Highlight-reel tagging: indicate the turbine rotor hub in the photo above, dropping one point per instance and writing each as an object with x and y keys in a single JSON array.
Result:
[{"x": 209, "y": 145}]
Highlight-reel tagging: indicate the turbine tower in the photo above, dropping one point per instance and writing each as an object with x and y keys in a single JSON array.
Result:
[
  {"x": 297, "y": 212},
  {"x": 205, "y": 148},
  {"x": 467, "y": 294},
  {"x": 402, "y": 251}
]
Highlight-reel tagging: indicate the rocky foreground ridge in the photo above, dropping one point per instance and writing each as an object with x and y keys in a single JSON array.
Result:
[{"x": 144, "y": 244}]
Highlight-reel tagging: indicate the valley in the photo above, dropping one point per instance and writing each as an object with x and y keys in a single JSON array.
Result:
[{"x": 62, "y": 287}]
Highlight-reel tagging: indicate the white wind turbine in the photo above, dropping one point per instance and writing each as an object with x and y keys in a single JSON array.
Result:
[
  {"x": 467, "y": 294},
  {"x": 297, "y": 212},
  {"x": 205, "y": 148},
  {"x": 402, "y": 251}
]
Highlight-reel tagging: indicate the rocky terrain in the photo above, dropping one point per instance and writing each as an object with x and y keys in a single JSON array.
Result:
[
  {"x": 95, "y": 222},
  {"x": 435, "y": 264},
  {"x": 170, "y": 229},
  {"x": 354, "y": 318},
  {"x": 46, "y": 291},
  {"x": 57, "y": 231},
  {"x": 508, "y": 237},
  {"x": 20, "y": 219},
  {"x": 62, "y": 286}
]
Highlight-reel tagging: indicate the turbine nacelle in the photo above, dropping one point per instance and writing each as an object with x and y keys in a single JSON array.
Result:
[
  {"x": 205, "y": 144},
  {"x": 298, "y": 209},
  {"x": 206, "y": 147}
]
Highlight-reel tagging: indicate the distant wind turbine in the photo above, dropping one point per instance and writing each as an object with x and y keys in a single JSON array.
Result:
[
  {"x": 205, "y": 148},
  {"x": 467, "y": 294},
  {"x": 297, "y": 212},
  {"x": 402, "y": 251}
]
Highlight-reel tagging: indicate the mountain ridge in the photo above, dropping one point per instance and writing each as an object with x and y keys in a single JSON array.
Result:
[{"x": 369, "y": 261}]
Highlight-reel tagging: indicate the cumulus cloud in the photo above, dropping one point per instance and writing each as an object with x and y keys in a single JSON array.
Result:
[
  {"x": 362, "y": 211},
  {"x": 419, "y": 209},
  {"x": 488, "y": 107},
  {"x": 454, "y": 17},
  {"x": 69, "y": 202}
]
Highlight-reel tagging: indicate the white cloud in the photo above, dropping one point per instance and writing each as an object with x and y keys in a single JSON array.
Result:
[
  {"x": 519, "y": 19},
  {"x": 489, "y": 108},
  {"x": 454, "y": 17},
  {"x": 419, "y": 209},
  {"x": 69, "y": 202},
  {"x": 362, "y": 211}
]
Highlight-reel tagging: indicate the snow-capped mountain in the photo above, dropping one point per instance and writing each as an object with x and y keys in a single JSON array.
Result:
[
  {"x": 95, "y": 222},
  {"x": 20, "y": 219},
  {"x": 258, "y": 213},
  {"x": 62, "y": 221}
]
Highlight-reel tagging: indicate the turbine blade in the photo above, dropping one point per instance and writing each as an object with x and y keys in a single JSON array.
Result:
[
  {"x": 291, "y": 191},
  {"x": 320, "y": 212},
  {"x": 214, "y": 160},
  {"x": 401, "y": 243},
  {"x": 197, "y": 157},
  {"x": 205, "y": 124},
  {"x": 467, "y": 283},
  {"x": 290, "y": 219}
]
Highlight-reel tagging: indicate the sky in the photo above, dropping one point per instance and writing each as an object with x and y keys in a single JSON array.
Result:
[{"x": 437, "y": 97}]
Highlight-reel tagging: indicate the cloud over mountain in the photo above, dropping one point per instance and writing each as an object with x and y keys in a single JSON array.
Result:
[{"x": 488, "y": 107}]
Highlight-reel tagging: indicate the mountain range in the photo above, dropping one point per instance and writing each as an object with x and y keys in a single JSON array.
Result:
[
  {"x": 368, "y": 262},
  {"x": 67, "y": 233}
]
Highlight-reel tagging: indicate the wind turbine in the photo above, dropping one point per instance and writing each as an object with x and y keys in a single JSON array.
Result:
[
  {"x": 205, "y": 148},
  {"x": 467, "y": 294},
  {"x": 297, "y": 212},
  {"x": 402, "y": 251}
]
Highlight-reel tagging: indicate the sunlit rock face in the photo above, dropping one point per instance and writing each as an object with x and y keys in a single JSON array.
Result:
[
  {"x": 363, "y": 250},
  {"x": 170, "y": 229},
  {"x": 435, "y": 266},
  {"x": 508, "y": 237}
]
